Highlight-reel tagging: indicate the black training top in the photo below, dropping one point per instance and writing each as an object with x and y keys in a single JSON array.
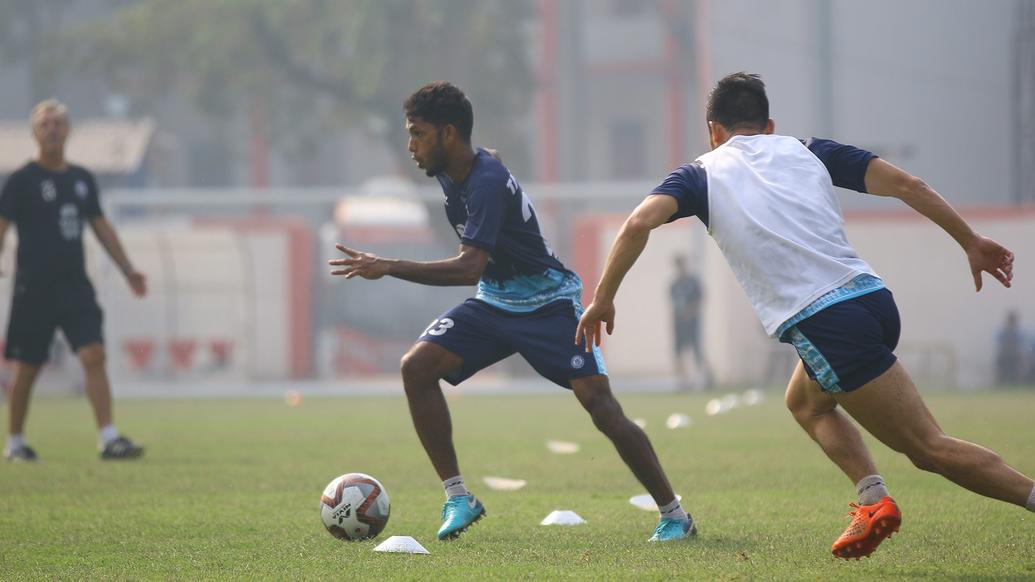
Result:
[{"x": 49, "y": 210}]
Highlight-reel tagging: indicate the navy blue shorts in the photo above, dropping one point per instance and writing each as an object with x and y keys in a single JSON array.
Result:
[
  {"x": 850, "y": 343},
  {"x": 483, "y": 335},
  {"x": 37, "y": 311}
]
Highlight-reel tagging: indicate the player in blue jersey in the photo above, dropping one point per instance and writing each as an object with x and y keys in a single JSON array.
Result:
[
  {"x": 768, "y": 201},
  {"x": 527, "y": 303}
]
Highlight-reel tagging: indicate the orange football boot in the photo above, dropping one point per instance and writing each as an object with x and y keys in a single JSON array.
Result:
[{"x": 870, "y": 525}]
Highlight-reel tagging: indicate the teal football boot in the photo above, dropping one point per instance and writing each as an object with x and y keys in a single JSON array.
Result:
[
  {"x": 458, "y": 514},
  {"x": 669, "y": 530}
]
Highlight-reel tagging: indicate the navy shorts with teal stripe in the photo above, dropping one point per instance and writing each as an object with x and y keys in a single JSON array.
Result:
[
  {"x": 848, "y": 344},
  {"x": 483, "y": 335}
]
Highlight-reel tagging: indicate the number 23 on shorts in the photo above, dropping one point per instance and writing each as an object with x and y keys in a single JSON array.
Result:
[{"x": 438, "y": 327}]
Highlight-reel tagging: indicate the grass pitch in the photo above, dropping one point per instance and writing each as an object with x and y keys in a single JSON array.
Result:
[{"x": 230, "y": 489}]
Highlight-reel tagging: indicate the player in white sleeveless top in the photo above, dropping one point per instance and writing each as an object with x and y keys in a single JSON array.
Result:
[{"x": 769, "y": 203}]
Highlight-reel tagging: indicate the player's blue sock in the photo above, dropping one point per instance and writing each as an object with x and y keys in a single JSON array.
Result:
[
  {"x": 454, "y": 486},
  {"x": 871, "y": 489},
  {"x": 1031, "y": 500},
  {"x": 673, "y": 511}
]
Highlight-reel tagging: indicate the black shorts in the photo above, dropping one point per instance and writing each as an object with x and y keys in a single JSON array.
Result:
[
  {"x": 37, "y": 311},
  {"x": 687, "y": 334},
  {"x": 850, "y": 343},
  {"x": 483, "y": 335}
]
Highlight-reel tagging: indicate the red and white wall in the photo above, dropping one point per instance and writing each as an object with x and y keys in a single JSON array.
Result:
[
  {"x": 948, "y": 333},
  {"x": 226, "y": 299}
]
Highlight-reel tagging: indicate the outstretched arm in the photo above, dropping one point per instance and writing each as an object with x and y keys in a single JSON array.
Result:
[
  {"x": 463, "y": 269},
  {"x": 631, "y": 240},
  {"x": 110, "y": 241},
  {"x": 983, "y": 254}
]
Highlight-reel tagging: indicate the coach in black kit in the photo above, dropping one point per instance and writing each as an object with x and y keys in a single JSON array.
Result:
[{"x": 49, "y": 201}]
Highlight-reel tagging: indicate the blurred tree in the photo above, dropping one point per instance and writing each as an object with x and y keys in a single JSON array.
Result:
[
  {"x": 314, "y": 65},
  {"x": 27, "y": 32}
]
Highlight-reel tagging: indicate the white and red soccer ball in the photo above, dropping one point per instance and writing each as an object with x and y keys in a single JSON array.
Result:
[{"x": 354, "y": 507}]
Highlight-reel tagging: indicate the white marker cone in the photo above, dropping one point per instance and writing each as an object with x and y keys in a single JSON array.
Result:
[
  {"x": 646, "y": 502},
  {"x": 562, "y": 447},
  {"x": 677, "y": 421},
  {"x": 713, "y": 407},
  {"x": 730, "y": 401},
  {"x": 504, "y": 484},
  {"x": 752, "y": 397},
  {"x": 562, "y": 517},
  {"x": 402, "y": 545}
]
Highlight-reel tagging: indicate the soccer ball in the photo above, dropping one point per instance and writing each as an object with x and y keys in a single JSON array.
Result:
[{"x": 354, "y": 507}]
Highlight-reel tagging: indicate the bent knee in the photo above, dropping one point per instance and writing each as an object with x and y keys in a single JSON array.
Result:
[
  {"x": 413, "y": 363},
  {"x": 927, "y": 457},
  {"x": 423, "y": 362},
  {"x": 936, "y": 454},
  {"x": 805, "y": 409},
  {"x": 924, "y": 462}
]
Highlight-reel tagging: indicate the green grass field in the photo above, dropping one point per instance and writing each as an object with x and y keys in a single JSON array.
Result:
[{"x": 230, "y": 489}]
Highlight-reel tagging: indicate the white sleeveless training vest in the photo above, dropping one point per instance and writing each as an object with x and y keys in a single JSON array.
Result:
[{"x": 773, "y": 212}]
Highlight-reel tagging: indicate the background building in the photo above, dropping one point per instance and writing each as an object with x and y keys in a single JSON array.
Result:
[{"x": 234, "y": 156}]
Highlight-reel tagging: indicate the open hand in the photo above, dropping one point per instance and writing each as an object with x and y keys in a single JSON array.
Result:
[
  {"x": 366, "y": 265},
  {"x": 991, "y": 257},
  {"x": 589, "y": 325}
]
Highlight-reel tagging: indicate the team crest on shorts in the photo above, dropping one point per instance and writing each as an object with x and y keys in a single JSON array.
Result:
[{"x": 577, "y": 362}]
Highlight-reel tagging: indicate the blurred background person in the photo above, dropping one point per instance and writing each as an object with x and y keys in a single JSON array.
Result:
[
  {"x": 687, "y": 294},
  {"x": 49, "y": 200},
  {"x": 1010, "y": 360}
]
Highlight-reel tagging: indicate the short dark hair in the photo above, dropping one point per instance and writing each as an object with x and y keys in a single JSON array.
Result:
[
  {"x": 739, "y": 101},
  {"x": 442, "y": 103}
]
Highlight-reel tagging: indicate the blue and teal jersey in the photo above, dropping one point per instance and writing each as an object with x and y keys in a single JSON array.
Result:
[{"x": 490, "y": 211}]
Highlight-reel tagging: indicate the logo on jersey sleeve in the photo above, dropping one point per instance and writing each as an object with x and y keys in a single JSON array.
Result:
[
  {"x": 48, "y": 190},
  {"x": 81, "y": 190},
  {"x": 460, "y": 229}
]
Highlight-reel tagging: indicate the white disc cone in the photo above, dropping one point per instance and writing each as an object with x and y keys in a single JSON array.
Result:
[
  {"x": 730, "y": 401},
  {"x": 677, "y": 421},
  {"x": 752, "y": 397},
  {"x": 713, "y": 407},
  {"x": 562, "y": 517},
  {"x": 504, "y": 484},
  {"x": 646, "y": 502},
  {"x": 402, "y": 545},
  {"x": 562, "y": 447}
]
